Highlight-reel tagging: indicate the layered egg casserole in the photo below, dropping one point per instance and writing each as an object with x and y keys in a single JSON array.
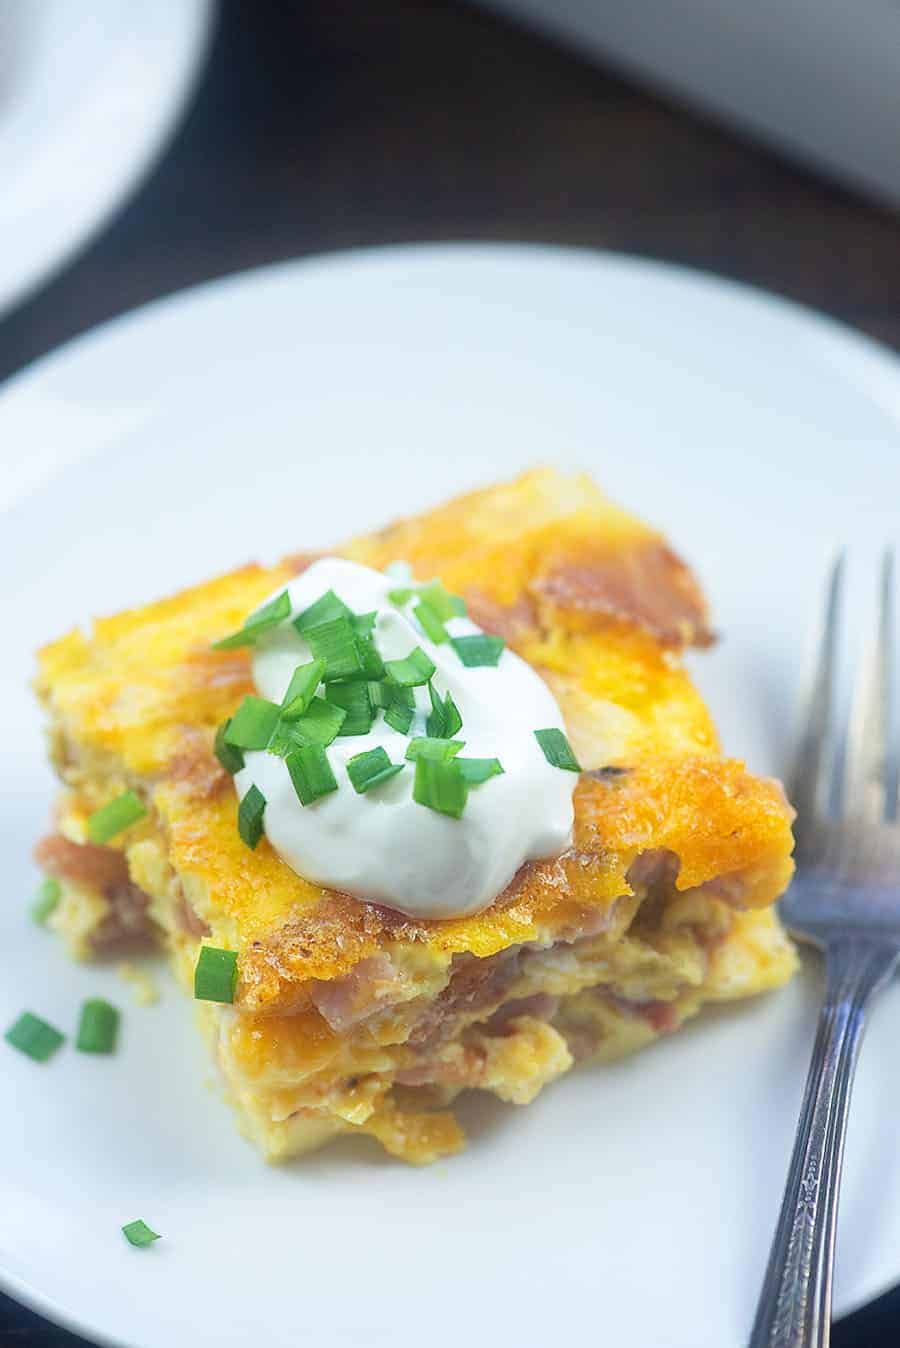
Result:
[{"x": 329, "y": 1013}]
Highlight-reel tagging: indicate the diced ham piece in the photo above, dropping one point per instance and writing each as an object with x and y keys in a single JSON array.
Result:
[
  {"x": 81, "y": 863},
  {"x": 474, "y": 985},
  {"x": 540, "y": 1005},
  {"x": 371, "y": 985},
  {"x": 662, "y": 1017},
  {"x": 105, "y": 871},
  {"x": 126, "y": 924},
  {"x": 191, "y": 921}
]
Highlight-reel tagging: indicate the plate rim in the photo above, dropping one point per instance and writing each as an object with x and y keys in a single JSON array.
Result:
[
  {"x": 466, "y": 250},
  {"x": 90, "y": 344}
]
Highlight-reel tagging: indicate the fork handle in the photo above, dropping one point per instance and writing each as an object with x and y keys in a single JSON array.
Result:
[{"x": 794, "y": 1308}]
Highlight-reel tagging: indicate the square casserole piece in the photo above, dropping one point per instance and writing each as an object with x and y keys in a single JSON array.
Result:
[{"x": 349, "y": 1017}]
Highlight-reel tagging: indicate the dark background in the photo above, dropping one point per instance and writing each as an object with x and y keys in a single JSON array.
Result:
[{"x": 337, "y": 123}]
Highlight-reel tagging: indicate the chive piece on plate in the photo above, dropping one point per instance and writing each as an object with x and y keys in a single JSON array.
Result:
[
  {"x": 310, "y": 773},
  {"x": 478, "y": 650},
  {"x": 478, "y": 770},
  {"x": 430, "y": 623},
  {"x": 301, "y": 689},
  {"x": 215, "y": 974},
  {"x": 48, "y": 895},
  {"x": 401, "y": 596},
  {"x": 270, "y": 615},
  {"x": 229, "y": 756},
  {"x": 98, "y": 1027},
  {"x": 354, "y": 701},
  {"x": 557, "y": 750},
  {"x": 324, "y": 610},
  {"x": 252, "y": 724},
  {"x": 439, "y": 750},
  {"x": 412, "y": 672},
  {"x": 371, "y": 769},
  {"x": 250, "y": 816},
  {"x": 139, "y": 1234},
  {"x": 34, "y": 1037},
  {"x": 337, "y": 644},
  {"x": 114, "y": 816},
  {"x": 440, "y": 786}
]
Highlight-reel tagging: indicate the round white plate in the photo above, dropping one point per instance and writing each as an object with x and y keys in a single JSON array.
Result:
[
  {"x": 286, "y": 408},
  {"x": 88, "y": 96}
]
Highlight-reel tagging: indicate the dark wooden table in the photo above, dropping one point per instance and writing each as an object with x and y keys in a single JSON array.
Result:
[{"x": 337, "y": 123}]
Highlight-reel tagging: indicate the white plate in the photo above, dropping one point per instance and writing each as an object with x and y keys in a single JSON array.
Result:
[
  {"x": 88, "y": 95},
  {"x": 284, "y": 408}
]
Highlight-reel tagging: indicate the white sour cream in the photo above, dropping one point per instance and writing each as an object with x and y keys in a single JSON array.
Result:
[{"x": 382, "y": 845}]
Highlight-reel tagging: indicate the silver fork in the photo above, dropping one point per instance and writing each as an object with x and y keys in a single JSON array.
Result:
[{"x": 845, "y": 900}]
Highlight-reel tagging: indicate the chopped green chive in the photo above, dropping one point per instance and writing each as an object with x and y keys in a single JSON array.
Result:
[
  {"x": 399, "y": 717},
  {"x": 250, "y": 816},
  {"x": 270, "y": 615},
  {"x": 452, "y": 717},
  {"x": 364, "y": 623},
  {"x": 557, "y": 750},
  {"x": 115, "y": 816},
  {"x": 372, "y": 663},
  {"x": 437, "y": 719},
  {"x": 47, "y": 897},
  {"x": 371, "y": 769},
  {"x": 231, "y": 758},
  {"x": 301, "y": 689},
  {"x": 319, "y": 724},
  {"x": 440, "y": 786},
  {"x": 139, "y": 1234},
  {"x": 478, "y": 650},
  {"x": 215, "y": 974},
  {"x": 34, "y": 1037},
  {"x": 413, "y": 671},
  {"x": 401, "y": 596},
  {"x": 324, "y": 610},
  {"x": 430, "y": 623},
  {"x": 354, "y": 700},
  {"x": 478, "y": 770},
  {"x": 380, "y": 694},
  {"x": 444, "y": 719},
  {"x": 97, "y": 1027},
  {"x": 337, "y": 644},
  {"x": 253, "y": 723},
  {"x": 310, "y": 773},
  {"x": 441, "y": 751},
  {"x": 442, "y": 602}
]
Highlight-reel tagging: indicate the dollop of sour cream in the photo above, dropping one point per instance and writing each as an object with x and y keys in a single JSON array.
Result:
[{"x": 382, "y": 845}]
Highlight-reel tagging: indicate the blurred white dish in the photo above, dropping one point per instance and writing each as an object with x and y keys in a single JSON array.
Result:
[
  {"x": 633, "y": 1204},
  {"x": 88, "y": 95}
]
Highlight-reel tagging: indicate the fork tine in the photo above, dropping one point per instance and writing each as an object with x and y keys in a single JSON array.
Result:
[
  {"x": 809, "y": 784},
  {"x": 866, "y": 767}
]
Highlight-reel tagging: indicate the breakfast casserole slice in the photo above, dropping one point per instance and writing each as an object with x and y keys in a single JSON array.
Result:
[{"x": 354, "y": 968}]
